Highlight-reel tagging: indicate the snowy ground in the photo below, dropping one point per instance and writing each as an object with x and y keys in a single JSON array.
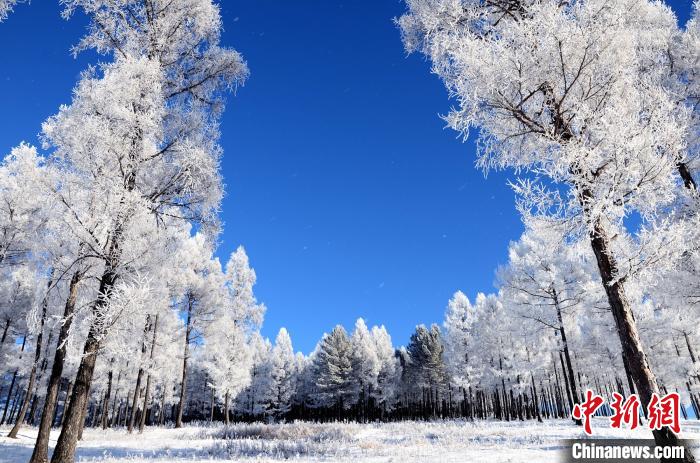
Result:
[{"x": 407, "y": 442}]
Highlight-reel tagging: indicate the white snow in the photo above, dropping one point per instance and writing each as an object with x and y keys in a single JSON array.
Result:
[{"x": 405, "y": 442}]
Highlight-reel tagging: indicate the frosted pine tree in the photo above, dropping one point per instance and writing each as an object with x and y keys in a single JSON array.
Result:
[
  {"x": 332, "y": 371},
  {"x": 283, "y": 375},
  {"x": 425, "y": 373},
  {"x": 365, "y": 366},
  {"x": 388, "y": 373}
]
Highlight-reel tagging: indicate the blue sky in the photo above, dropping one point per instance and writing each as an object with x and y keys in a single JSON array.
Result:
[{"x": 350, "y": 196}]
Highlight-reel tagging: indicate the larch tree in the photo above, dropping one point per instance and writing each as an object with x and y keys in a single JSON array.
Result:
[
  {"x": 558, "y": 92},
  {"x": 161, "y": 128},
  {"x": 202, "y": 298},
  {"x": 549, "y": 282},
  {"x": 236, "y": 317},
  {"x": 227, "y": 360}
]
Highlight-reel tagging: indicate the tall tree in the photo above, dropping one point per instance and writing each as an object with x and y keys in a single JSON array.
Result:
[
  {"x": 161, "y": 127},
  {"x": 426, "y": 373},
  {"x": 365, "y": 365},
  {"x": 558, "y": 93},
  {"x": 332, "y": 370},
  {"x": 283, "y": 372}
]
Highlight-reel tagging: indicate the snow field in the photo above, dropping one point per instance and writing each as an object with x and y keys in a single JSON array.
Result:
[{"x": 404, "y": 442}]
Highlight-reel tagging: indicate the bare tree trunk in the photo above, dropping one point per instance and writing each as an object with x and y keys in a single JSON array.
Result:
[
  {"x": 146, "y": 397},
  {"x": 566, "y": 381},
  {"x": 534, "y": 398},
  {"x": 108, "y": 394},
  {"x": 226, "y": 418},
  {"x": 632, "y": 348},
  {"x": 687, "y": 177},
  {"x": 139, "y": 376},
  {"x": 183, "y": 387},
  {"x": 9, "y": 397},
  {"x": 4, "y": 333},
  {"x": 569, "y": 374},
  {"x": 41, "y": 446},
  {"x": 14, "y": 378},
  {"x": 68, "y": 439},
  {"x": 18, "y": 398},
  {"x": 211, "y": 409},
  {"x": 134, "y": 403}
]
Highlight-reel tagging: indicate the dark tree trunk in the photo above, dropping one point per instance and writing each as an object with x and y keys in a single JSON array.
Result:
[
  {"x": 70, "y": 433},
  {"x": 4, "y": 332},
  {"x": 534, "y": 398},
  {"x": 66, "y": 401},
  {"x": 41, "y": 446},
  {"x": 687, "y": 177},
  {"x": 134, "y": 403},
  {"x": 691, "y": 351},
  {"x": 632, "y": 348},
  {"x": 211, "y": 403},
  {"x": 108, "y": 394},
  {"x": 146, "y": 396},
  {"x": 9, "y": 397},
  {"x": 569, "y": 373},
  {"x": 566, "y": 381},
  {"x": 12, "y": 384},
  {"x": 226, "y": 418}
]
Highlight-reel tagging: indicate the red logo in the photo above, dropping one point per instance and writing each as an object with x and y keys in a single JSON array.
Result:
[
  {"x": 662, "y": 411},
  {"x": 587, "y": 409}
]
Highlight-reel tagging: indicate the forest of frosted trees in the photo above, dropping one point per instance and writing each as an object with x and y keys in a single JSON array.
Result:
[{"x": 116, "y": 312}]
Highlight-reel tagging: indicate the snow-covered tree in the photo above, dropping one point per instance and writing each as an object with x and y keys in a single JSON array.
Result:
[
  {"x": 459, "y": 318},
  {"x": 146, "y": 129},
  {"x": 365, "y": 364},
  {"x": 202, "y": 299},
  {"x": 283, "y": 375},
  {"x": 549, "y": 282},
  {"x": 558, "y": 90},
  {"x": 228, "y": 360},
  {"x": 388, "y": 369},
  {"x": 332, "y": 371},
  {"x": 253, "y": 401},
  {"x": 425, "y": 373}
]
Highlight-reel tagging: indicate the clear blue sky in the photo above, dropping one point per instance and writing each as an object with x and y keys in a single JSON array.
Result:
[{"x": 350, "y": 196}]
